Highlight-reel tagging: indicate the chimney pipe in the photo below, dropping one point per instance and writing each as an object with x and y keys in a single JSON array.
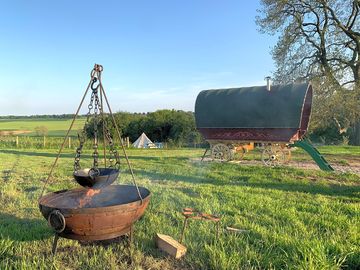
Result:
[{"x": 268, "y": 83}]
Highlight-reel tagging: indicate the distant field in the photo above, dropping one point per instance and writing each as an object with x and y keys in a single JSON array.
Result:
[{"x": 56, "y": 127}]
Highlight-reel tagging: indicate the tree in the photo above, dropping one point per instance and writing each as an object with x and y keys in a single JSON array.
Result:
[{"x": 319, "y": 40}]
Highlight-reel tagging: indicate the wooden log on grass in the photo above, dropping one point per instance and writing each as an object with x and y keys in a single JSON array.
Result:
[{"x": 170, "y": 246}]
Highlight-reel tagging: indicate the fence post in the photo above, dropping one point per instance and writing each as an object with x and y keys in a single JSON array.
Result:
[
  {"x": 17, "y": 141},
  {"x": 69, "y": 142},
  {"x": 127, "y": 142},
  {"x": 44, "y": 142}
]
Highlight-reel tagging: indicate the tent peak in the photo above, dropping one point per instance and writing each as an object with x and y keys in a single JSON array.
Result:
[{"x": 143, "y": 142}]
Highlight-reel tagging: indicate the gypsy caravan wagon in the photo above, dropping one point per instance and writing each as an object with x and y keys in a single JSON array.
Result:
[{"x": 275, "y": 118}]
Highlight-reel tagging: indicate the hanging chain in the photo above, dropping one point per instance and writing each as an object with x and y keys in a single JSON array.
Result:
[
  {"x": 113, "y": 152},
  {"x": 81, "y": 136},
  {"x": 96, "y": 105},
  {"x": 95, "y": 154}
]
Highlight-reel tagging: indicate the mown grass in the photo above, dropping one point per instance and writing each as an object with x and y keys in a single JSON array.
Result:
[
  {"x": 56, "y": 127},
  {"x": 296, "y": 219}
]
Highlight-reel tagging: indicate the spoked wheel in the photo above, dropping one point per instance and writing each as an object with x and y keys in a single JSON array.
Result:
[
  {"x": 273, "y": 155},
  {"x": 221, "y": 152}
]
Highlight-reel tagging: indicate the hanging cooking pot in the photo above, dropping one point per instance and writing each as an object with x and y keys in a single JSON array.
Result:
[{"x": 96, "y": 178}]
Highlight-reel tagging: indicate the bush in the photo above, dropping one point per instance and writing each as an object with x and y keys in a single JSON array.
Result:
[{"x": 327, "y": 135}]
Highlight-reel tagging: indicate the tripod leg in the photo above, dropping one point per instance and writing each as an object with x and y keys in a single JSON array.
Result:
[
  {"x": 183, "y": 230},
  {"x": 131, "y": 235},
  {"x": 56, "y": 238},
  {"x": 204, "y": 154}
]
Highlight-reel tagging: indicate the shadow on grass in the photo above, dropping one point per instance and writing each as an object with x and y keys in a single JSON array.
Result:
[
  {"x": 329, "y": 190},
  {"x": 309, "y": 188},
  {"x": 176, "y": 177},
  {"x": 22, "y": 229},
  {"x": 71, "y": 155},
  {"x": 37, "y": 154}
]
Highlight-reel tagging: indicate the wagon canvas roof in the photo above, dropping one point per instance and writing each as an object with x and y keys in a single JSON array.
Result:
[
  {"x": 253, "y": 107},
  {"x": 142, "y": 142}
]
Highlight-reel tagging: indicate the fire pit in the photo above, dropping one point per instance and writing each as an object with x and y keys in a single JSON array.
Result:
[
  {"x": 76, "y": 214},
  {"x": 99, "y": 210}
]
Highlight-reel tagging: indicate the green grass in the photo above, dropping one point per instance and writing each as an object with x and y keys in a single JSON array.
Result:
[
  {"x": 56, "y": 127},
  {"x": 342, "y": 155},
  {"x": 297, "y": 219}
]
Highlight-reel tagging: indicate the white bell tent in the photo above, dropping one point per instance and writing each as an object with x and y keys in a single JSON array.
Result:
[{"x": 143, "y": 142}]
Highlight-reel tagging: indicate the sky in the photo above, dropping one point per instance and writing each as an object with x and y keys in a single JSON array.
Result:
[{"x": 156, "y": 54}]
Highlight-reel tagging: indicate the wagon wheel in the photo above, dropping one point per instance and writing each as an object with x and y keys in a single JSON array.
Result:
[
  {"x": 272, "y": 155},
  {"x": 221, "y": 152}
]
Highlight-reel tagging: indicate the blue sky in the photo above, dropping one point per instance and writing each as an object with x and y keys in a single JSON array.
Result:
[{"x": 156, "y": 54}]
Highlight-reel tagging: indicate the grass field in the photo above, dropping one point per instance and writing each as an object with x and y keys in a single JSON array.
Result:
[
  {"x": 56, "y": 127},
  {"x": 296, "y": 219}
]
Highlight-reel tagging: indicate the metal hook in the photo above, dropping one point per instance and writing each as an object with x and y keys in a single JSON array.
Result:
[{"x": 95, "y": 89}]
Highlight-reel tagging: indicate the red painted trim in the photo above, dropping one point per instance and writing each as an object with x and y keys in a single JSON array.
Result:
[{"x": 252, "y": 134}]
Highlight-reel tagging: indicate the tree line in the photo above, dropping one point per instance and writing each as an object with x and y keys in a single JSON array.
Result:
[{"x": 175, "y": 127}]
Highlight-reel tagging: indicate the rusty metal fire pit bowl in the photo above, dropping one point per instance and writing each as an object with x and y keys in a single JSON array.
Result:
[{"x": 81, "y": 215}]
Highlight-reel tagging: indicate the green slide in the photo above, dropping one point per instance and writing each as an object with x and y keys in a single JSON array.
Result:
[{"x": 314, "y": 153}]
